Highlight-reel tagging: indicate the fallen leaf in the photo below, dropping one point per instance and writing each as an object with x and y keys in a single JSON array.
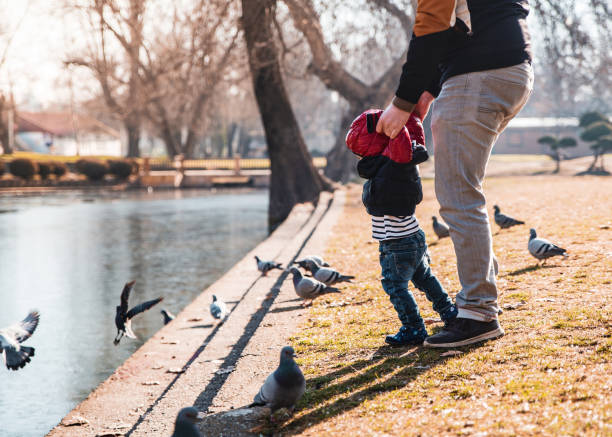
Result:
[
  {"x": 451, "y": 353},
  {"x": 118, "y": 426},
  {"x": 169, "y": 342},
  {"x": 515, "y": 305},
  {"x": 195, "y": 319},
  {"x": 175, "y": 371},
  {"x": 225, "y": 370},
  {"x": 150, "y": 383},
  {"x": 157, "y": 367},
  {"x": 75, "y": 421}
]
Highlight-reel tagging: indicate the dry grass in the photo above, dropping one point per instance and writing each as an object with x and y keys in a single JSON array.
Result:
[{"x": 550, "y": 374}]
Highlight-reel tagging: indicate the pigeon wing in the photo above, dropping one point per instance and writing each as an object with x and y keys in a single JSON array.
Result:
[
  {"x": 125, "y": 296},
  {"x": 23, "y": 330},
  {"x": 267, "y": 392},
  {"x": 143, "y": 307}
]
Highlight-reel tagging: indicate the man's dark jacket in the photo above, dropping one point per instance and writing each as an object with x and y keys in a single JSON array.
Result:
[{"x": 451, "y": 38}]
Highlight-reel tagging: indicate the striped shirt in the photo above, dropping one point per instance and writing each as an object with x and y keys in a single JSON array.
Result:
[{"x": 390, "y": 227}]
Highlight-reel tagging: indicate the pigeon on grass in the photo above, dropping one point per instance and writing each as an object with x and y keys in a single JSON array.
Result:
[
  {"x": 440, "y": 228},
  {"x": 326, "y": 275},
  {"x": 123, "y": 317},
  {"x": 504, "y": 221},
  {"x": 265, "y": 266},
  {"x": 14, "y": 354},
  {"x": 168, "y": 316},
  {"x": 542, "y": 249},
  {"x": 217, "y": 308},
  {"x": 308, "y": 288},
  {"x": 284, "y": 387},
  {"x": 185, "y": 425}
]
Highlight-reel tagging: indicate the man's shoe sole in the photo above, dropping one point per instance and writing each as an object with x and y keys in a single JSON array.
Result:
[{"x": 482, "y": 337}]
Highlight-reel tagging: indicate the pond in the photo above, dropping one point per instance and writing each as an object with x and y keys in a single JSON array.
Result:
[{"x": 68, "y": 255}]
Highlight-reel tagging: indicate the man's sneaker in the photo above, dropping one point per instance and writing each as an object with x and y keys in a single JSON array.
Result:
[
  {"x": 461, "y": 332},
  {"x": 407, "y": 337}
]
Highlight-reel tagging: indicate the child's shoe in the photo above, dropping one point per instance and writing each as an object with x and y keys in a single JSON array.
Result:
[
  {"x": 407, "y": 337},
  {"x": 449, "y": 314}
]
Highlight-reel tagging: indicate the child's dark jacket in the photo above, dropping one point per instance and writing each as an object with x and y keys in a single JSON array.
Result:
[{"x": 393, "y": 186}]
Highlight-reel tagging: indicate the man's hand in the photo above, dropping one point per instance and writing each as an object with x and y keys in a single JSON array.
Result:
[{"x": 392, "y": 121}]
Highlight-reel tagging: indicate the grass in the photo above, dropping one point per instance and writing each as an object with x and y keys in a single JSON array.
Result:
[{"x": 550, "y": 374}]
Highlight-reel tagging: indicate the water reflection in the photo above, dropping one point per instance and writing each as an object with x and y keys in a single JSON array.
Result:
[{"x": 69, "y": 255}]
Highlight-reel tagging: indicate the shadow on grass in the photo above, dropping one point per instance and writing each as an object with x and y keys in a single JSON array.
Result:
[
  {"x": 285, "y": 309},
  {"x": 527, "y": 270},
  {"x": 358, "y": 388}
]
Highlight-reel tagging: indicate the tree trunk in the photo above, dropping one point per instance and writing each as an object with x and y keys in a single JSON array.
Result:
[
  {"x": 132, "y": 127},
  {"x": 4, "y": 128},
  {"x": 341, "y": 162},
  {"x": 294, "y": 179}
]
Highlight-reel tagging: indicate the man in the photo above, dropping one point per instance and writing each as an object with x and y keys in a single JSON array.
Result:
[{"x": 475, "y": 56}]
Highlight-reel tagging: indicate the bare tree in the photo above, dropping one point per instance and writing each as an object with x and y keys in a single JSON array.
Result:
[
  {"x": 335, "y": 75},
  {"x": 294, "y": 178},
  {"x": 116, "y": 24}
]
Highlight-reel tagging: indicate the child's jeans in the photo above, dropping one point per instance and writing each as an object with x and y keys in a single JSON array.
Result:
[{"x": 403, "y": 260}]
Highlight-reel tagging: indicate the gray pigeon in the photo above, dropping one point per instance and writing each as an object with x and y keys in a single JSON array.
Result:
[
  {"x": 303, "y": 263},
  {"x": 168, "y": 316},
  {"x": 16, "y": 356},
  {"x": 542, "y": 249},
  {"x": 265, "y": 266},
  {"x": 505, "y": 221},
  {"x": 324, "y": 274},
  {"x": 185, "y": 425},
  {"x": 123, "y": 317},
  {"x": 284, "y": 387},
  {"x": 308, "y": 288},
  {"x": 440, "y": 228},
  {"x": 217, "y": 308}
]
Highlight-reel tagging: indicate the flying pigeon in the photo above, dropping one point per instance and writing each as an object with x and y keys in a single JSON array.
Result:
[
  {"x": 324, "y": 274},
  {"x": 504, "y": 221},
  {"x": 284, "y": 387},
  {"x": 16, "y": 356},
  {"x": 217, "y": 308},
  {"x": 168, "y": 316},
  {"x": 308, "y": 288},
  {"x": 123, "y": 318},
  {"x": 440, "y": 228},
  {"x": 265, "y": 266},
  {"x": 185, "y": 425},
  {"x": 543, "y": 249}
]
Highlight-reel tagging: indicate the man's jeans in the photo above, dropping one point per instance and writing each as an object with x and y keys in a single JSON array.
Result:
[
  {"x": 403, "y": 260},
  {"x": 467, "y": 117}
]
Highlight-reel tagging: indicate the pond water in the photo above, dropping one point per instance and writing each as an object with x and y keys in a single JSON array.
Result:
[{"x": 68, "y": 255}]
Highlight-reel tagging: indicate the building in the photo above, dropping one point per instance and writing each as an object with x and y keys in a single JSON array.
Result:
[
  {"x": 65, "y": 133},
  {"x": 522, "y": 134}
]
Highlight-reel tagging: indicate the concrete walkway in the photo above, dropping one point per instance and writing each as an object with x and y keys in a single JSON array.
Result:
[{"x": 195, "y": 361}]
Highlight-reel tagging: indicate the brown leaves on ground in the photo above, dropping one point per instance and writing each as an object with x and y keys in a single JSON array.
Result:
[{"x": 550, "y": 374}]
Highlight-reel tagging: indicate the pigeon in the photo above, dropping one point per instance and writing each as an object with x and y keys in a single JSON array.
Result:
[
  {"x": 123, "y": 318},
  {"x": 542, "y": 249},
  {"x": 504, "y": 221},
  {"x": 168, "y": 316},
  {"x": 304, "y": 263},
  {"x": 283, "y": 387},
  {"x": 324, "y": 274},
  {"x": 440, "y": 228},
  {"x": 308, "y": 288},
  {"x": 185, "y": 425},
  {"x": 16, "y": 356},
  {"x": 217, "y": 308},
  {"x": 265, "y": 266}
]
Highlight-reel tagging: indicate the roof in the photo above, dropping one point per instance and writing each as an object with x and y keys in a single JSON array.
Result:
[
  {"x": 61, "y": 123},
  {"x": 537, "y": 122}
]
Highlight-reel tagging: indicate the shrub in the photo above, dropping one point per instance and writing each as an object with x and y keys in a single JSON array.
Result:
[
  {"x": 120, "y": 168},
  {"x": 1, "y": 168},
  {"x": 94, "y": 169},
  {"x": 59, "y": 169},
  {"x": 23, "y": 167},
  {"x": 45, "y": 169}
]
